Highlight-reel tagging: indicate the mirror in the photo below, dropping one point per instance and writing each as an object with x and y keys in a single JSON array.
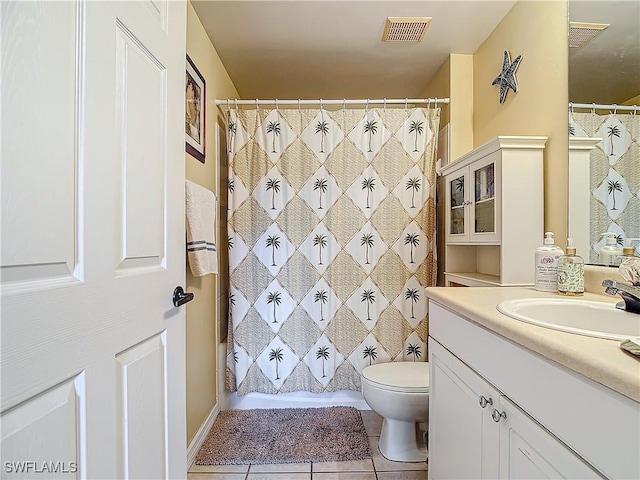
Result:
[{"x": 604, "y": 188}]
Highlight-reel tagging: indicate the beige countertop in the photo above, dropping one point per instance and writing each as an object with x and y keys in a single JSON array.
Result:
[{"x": 598, "y": 359}]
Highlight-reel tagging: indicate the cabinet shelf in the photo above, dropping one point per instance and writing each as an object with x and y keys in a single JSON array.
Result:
[{"x": 491, "y": 241}]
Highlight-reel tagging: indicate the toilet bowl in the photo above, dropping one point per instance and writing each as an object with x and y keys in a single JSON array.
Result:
[{"x": 399, "y": 392}]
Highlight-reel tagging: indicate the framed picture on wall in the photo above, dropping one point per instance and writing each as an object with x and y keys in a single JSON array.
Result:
[{"x": 194, "y": 122}]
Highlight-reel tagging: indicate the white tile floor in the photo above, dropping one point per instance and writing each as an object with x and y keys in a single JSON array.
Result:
[{"x": 378, "y": 468}]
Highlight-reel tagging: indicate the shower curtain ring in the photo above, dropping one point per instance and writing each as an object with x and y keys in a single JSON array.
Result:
[
  {"x": 367, "y": 105},
  {"x": 344, "y": 103},
  {"x": 227, "y": 104},
  {"x": 571, "y": 107},
  {"x": 236, "y": 101},
  {"x": 615, "y": 108},
  {"x": 257, "y": 105},
  {"x": 276, "y": 104},
  {"x": 298, "y": 104},
  {"x": 406, "y": 103},
  {"x": 593, "y": 108},
  {"x": 384, "y": 105},
  {"x": 635, "y": 110},
  {"x": 320, "y": 104}
]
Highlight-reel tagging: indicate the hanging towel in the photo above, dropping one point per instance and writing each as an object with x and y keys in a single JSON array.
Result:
[{"x": 201, "y": 219}]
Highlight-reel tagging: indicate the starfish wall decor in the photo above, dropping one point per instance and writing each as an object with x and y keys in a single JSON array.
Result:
[{"x": 507, "y": 77}]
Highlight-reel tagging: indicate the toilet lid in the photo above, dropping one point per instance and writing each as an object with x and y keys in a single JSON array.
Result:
[{"x": 405, "y": 376}]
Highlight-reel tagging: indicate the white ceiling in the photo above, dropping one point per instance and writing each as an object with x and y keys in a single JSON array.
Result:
[
  {"x": 333, "y": 49},
  {"x": 607, "y": 69}
]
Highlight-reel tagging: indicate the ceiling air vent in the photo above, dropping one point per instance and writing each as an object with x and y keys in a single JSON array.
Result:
[
  {"x": 405, "y": 29},
  {"x": 581, "y": 33}
]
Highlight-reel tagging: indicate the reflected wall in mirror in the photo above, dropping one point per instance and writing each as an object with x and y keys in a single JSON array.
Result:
[{"x": 604, "y": 129}]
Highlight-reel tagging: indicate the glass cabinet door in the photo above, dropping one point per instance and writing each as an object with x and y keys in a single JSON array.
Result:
[
  {"x": 484, "y": 203},
  {"x": 457, "y": 206}
]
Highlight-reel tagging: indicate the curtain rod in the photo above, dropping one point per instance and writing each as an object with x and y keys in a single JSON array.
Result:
[
  {"x": 595, "y": 106},
  {"x": 384, "y": 101}
]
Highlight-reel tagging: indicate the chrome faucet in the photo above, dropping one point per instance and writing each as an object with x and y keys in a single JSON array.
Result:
[{"x": 630, "y": 295}]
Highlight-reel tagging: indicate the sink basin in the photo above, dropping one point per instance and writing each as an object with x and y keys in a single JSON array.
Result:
[{"x": 583, "y": 317}]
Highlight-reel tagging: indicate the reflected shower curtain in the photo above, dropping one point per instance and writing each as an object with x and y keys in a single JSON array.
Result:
[
  {"x": 615, "y": 176},
  {"x": 331, "y": 243}
]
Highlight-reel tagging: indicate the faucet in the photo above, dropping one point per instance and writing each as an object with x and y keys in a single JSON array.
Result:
[{"x": 630, "y": 295}]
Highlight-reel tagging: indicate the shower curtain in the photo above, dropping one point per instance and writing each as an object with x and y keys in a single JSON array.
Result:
[
  {"x": 615, "y": 175},
  {"x": 331, "y": 243}
]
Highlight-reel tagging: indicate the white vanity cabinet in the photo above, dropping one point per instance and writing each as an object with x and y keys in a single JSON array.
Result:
[
  {"x": 475, "y": 422},
  {"x": 494, "y": 212},
  {"x": 497, "y": 410}
]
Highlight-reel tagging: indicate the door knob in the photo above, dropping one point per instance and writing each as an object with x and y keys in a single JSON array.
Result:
[{"x": 180, "y": 297}]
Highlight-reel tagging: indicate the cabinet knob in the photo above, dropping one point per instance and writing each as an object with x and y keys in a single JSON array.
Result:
[
  {"x": 483, "y": 401},
  {"x": 496, "y": 415}
]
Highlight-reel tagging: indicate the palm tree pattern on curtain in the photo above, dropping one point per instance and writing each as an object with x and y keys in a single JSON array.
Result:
[
  {"x": 615, "y": 176},
  {"x": 331, "y": 243}
]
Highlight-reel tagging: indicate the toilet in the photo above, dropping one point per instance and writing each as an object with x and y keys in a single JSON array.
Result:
[{"x": 399, "y": 392}]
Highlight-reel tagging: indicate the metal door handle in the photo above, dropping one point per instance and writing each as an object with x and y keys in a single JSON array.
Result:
[
  {"x": 483, "y": 401},
  {"x": 496, "y": 415},
  {"x": 180, "y": 297}
]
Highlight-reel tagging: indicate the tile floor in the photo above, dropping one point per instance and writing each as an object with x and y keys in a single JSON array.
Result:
[{"x": 378, "y": 468}]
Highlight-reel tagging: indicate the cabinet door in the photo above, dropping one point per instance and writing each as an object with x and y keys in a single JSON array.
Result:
[
  {"x": 528, "y": 451},
  {"x": 457, "y": 201},
  {"x": 484, "y": 193},
  {"x": 463, "y": 439}
]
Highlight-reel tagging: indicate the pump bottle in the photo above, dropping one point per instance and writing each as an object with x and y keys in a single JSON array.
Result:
[
  {"x": 571, "y": 272},
  {"x": 611, "y": 252},
  {"x": 546, "y": 272}
]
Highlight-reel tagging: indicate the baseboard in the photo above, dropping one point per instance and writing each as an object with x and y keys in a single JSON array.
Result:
[{"x": 201, "y": 435}]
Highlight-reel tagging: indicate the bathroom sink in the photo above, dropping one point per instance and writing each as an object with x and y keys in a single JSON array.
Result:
[{"x": 583, "y": 317}]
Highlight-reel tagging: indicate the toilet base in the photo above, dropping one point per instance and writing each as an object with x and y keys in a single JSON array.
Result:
[{"x": 398, "y": 442}]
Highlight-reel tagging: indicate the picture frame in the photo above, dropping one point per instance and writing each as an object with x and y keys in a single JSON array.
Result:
[{"x": 195, "y": 112}]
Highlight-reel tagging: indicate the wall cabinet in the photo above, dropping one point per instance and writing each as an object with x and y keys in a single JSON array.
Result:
[
  {"x": 473, "y": 210},
  {"x": 497, "y": 410},
  {"x": 494, "y": 212}
]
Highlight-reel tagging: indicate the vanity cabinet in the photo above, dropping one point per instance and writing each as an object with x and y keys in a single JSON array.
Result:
[
  {"x": 497, "y": 410},
  {"x": 493, "y": 212},
  {"x": 474, "y": 421}
]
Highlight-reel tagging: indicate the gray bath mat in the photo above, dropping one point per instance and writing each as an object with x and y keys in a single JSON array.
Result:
[{"x": 285, "y": 435}]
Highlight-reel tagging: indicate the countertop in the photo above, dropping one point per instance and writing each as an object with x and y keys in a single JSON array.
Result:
[{"x": 598, "y": 359}]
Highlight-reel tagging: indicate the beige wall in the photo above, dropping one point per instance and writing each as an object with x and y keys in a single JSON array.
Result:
[
  {"x": 537, "y": 30},
  {"x": 454, "y": 79},
  {"x": 201, "y": 343}
]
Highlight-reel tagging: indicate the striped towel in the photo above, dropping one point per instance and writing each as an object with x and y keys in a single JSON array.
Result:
[{"x": 201, "y": 219}]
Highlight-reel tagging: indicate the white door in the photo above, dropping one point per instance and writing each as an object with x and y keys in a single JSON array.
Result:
[
  {"x": 92, "y": 358},
  {"x": 529, "y": 452},
  {"x": 463, "y": 440}
]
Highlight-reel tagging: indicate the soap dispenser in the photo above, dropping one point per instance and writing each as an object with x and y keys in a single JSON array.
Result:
[
  {"x": 571, "y": 272},
  {"x": 546, "y": 272},
  {"x": 610, "y": 254},
  {"x": 629, "y": 250}
]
